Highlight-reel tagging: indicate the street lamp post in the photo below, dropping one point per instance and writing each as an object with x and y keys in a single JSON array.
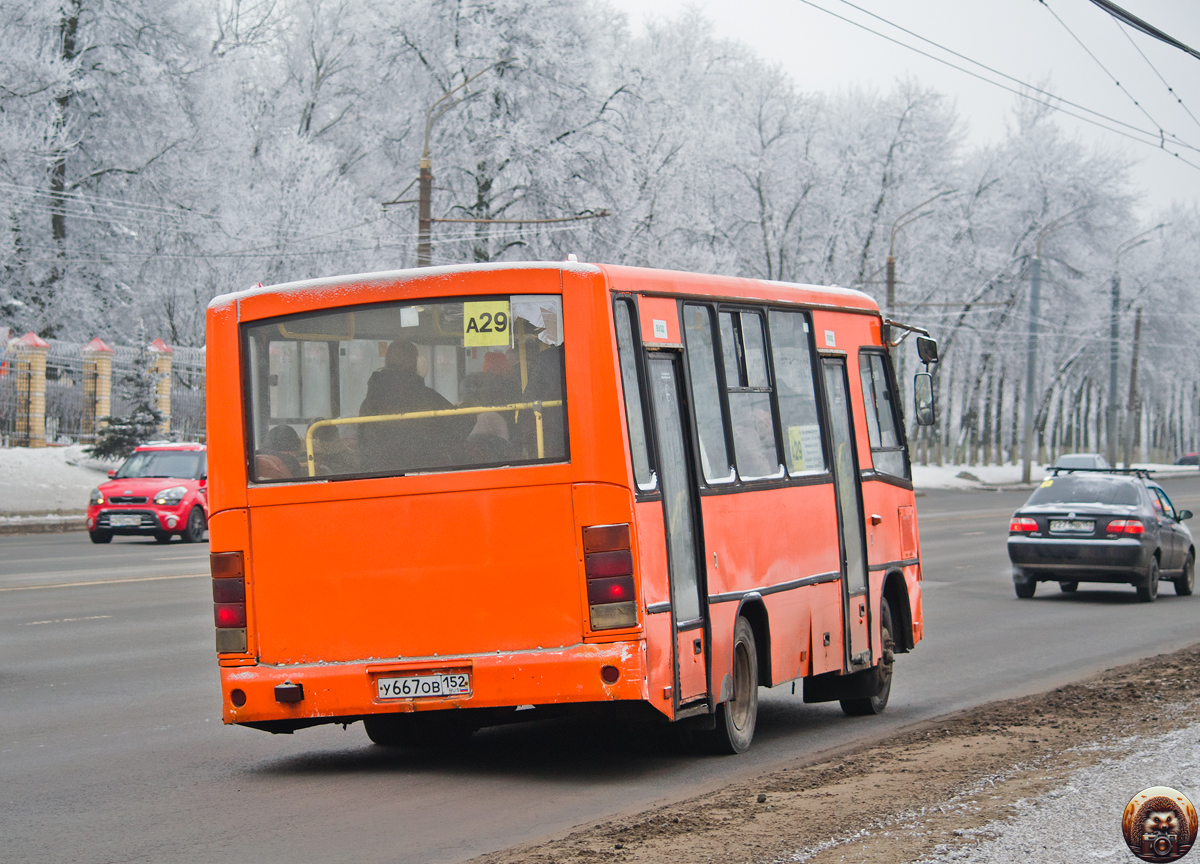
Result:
[{"x": 899, "y": 223}]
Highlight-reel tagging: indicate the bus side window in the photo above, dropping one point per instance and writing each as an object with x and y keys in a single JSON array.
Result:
[
  {"x": 883, "y": 420},
  {"x": 642, "y": 474},
  {"x": 791, "y": 350},
  {"x": 749, "y": 391},
  {"x": 706, "y": 395}
]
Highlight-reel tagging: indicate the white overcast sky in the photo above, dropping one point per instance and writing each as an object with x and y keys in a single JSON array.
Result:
[{"x": 1018, "y": 37}]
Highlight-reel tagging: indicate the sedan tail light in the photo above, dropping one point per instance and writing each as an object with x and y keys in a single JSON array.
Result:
[
  {"x": 1020, "y": 524},
  {"x": 1126, "y": 526},
  {"x": 608, "y": 563}
]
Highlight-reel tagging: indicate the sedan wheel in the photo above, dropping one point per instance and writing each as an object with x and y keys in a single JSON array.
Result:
[
  {"x": 1186, "y": 582},
  {"x": 1147, "y": 592},
  {"x": 1068, "y": 587}
]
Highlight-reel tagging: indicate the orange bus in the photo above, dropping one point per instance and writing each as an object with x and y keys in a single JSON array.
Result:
[{"x": 448, "y": 498}]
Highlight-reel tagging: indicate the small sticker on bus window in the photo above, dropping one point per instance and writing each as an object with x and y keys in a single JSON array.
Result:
[
  {"x": 410, "y": 317},
  {"x": 1047, "y": 482},
  {"x": 660, "y": 329},
  {"x": 830, "y": 339},
  {"x": 485, "y": 323}
]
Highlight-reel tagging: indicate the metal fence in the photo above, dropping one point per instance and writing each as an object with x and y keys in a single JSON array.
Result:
[{"x": 71, "y": 387}]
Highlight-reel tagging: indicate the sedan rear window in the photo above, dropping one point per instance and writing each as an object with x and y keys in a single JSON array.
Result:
[{"x": 1086, "y": 489}]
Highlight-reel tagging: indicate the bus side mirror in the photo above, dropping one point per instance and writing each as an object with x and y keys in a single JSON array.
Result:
[
  {"x": 923, "y": 397},
  {"x": 927, "y": 350}
]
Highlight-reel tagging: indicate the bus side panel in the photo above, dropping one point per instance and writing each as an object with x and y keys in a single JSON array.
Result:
[
  {"x": 415, "y": 576},
  {"x": 762, "y": 539},
  {"x": 226, "y": 465},
  {"x": 892, "y": 540},
  {"x": 826, "y": 610},
  {"x": 652, "y": 569},
  {"x": 791, "y": 618}
]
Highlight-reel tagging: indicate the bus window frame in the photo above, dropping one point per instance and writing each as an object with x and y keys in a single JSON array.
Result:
[
  {"x": 648, "y": 431},
  {"x": 248, "y": 395},
  {"x": 874, "y": 473},
  {"x": 738, "y": 485}
]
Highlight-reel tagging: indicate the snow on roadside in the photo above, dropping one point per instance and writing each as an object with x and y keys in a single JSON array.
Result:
[
  {"x": 953, "y": 476},
  {"x": 47, "y": 479},
  {"x": 1081, "y": 820}
]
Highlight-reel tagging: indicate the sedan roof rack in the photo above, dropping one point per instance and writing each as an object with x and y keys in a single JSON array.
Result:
[{"x": 1144, "y": 473}]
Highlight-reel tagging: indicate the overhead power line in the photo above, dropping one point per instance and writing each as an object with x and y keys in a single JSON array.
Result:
[
  {"x": 1170, "y": 89},
  {"x": 1138, "y": 24},
  {"x": 1151, "y": 139}
]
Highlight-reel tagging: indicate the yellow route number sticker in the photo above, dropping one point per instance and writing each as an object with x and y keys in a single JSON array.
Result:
[{"x": 486, "y": 323}]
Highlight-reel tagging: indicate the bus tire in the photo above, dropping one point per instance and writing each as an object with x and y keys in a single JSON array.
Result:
[
  {"x": 875, "y": 704},
  {"x": 193, "y": 532},
  {"x": 736, "y": 717}
]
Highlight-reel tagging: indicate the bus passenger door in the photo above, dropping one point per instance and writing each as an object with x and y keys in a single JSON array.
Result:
[
  {"x": 855, "y": 599},
  {"x": 681, "y": 512}
]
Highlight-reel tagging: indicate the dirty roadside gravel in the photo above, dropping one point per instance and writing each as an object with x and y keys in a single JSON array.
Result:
[{"x": 905, "y": 799}]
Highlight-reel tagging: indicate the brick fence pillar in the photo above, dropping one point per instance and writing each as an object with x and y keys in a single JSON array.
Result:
[
  {"x": 97, "y": 386},
  {"x": 31, "y": 385},
  {"x": 163, "y": 354}
]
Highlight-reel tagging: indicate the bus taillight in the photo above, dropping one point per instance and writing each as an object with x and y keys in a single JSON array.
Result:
[
  {"x": 608, "y": 562},
  {"x": 229, "y": 600}
]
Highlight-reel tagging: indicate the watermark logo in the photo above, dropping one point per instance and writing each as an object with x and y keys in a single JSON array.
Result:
[{"x": 1159, "y": 824}]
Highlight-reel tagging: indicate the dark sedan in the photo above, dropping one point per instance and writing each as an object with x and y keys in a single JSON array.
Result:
[{"x": 1101, "y": 526}]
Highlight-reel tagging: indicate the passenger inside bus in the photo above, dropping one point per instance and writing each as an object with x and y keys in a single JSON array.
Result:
[
  {"x": 404, "y": 445},
  {"x": 280, "y": 454}
]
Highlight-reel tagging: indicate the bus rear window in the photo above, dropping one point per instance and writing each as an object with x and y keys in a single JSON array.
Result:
[{"x": 404, "y": 388}]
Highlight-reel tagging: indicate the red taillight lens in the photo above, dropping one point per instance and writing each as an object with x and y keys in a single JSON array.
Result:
[
  {"x": 1019, "y": 524},
  {"x": 616, "y": 590},
  {"x": 603, "y": 564},
  {"x": 230, "y": 614},
  {"x": 229, "y": 591},
  {"x": 1126, "y": 526}
]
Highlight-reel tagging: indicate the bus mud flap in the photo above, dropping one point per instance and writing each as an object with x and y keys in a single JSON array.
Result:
[{"x": 831, "y": 686}]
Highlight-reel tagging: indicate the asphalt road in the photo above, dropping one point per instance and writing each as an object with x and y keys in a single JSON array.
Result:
[{"x": 112, "y": 748}]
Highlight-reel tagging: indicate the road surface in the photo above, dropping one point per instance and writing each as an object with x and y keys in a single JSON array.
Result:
[{"x": 112, "y": 747}]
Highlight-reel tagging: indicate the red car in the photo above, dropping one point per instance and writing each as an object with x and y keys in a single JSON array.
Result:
[{"x": 160, "y": 490}]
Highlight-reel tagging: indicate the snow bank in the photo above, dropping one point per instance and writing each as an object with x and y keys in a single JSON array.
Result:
[
  {"x": 49, "y": 479},
  {"x": 977, "y": 476},
  {"x": 1049, "y": 828}
]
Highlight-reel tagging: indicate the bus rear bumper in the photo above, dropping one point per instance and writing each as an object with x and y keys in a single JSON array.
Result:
[{"x": 306, "y": 695}]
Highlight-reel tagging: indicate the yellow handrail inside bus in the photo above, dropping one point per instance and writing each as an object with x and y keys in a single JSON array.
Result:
[{"x": 536, "y": 407}]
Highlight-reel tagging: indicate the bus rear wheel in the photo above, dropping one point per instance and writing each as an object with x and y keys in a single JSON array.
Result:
[
  {"x": 883, "y": 672},
  {"x": 737, "y": 716}
]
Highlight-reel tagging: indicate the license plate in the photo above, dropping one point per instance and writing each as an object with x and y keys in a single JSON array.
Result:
[
  {"x": 438, "y": 685},
  {"x": 1077, "y": 526},
  {"x": 120, "y": 521}
]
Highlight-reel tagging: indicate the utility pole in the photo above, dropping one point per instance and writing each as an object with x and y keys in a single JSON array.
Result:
[
  {"x": 1114, "y": 333},
  {"x": 425, "y": 177},
  {"x": 1112, "y": 418},
  {"x": 1135, "y": 413},
  {"x": 1035, "y": 289}
]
